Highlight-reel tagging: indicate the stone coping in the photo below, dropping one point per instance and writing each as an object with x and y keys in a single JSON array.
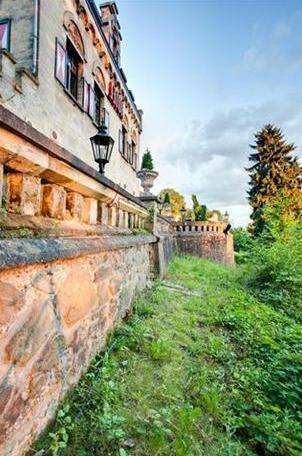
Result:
[
  {"x": 200, "y": 233},
  {"x": 19, "y": 127},
  {"x": 21, "y": 252},
  {"x": 165, "y": 219}
]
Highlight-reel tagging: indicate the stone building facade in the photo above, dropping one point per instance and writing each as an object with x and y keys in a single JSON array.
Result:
[{"x": 61, "y": 73}]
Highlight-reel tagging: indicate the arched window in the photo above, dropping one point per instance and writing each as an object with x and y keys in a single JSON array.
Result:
[{"x": 74, "y": 58}]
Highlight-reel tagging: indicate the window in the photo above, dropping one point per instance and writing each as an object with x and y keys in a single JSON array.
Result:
[
  {"x": 123, "y": 142},
  {"x": 5, "y": 34},
  {"x": 74, "y": 71},
  {"x": 99, "y": 103},
  {"x": 134, "y": 155}
]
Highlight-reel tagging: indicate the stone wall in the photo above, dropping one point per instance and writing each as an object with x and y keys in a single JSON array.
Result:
[
  {"x": 213, "y": 246},
  {"x": 59, "y": 298},
  {"x": 22, "y": 12}
]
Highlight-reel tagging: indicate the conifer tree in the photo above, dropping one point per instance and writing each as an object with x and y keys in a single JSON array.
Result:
[
  {"x": 147, "y": 162},
  {"x": 196, "y": 208},
  {"x": 204, "y": 213},
  {"x": 274, "y": 171},
  {"x": 167, "y": 198}
]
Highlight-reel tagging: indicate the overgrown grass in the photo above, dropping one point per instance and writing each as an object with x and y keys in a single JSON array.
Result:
[{"x": 219, "y": 374}]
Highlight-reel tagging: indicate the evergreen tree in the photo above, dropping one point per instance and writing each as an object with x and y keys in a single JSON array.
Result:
[
  {"x": 196, "y": 208},
  {"x": 204, "y": 213},
  {"x": 274, "y": 170},
  {"x": 167, "y": 198},
  {"x": 147, "y": 162}
]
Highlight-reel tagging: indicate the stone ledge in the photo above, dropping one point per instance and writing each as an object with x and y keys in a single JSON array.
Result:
[{"x": 21, "y": 252}]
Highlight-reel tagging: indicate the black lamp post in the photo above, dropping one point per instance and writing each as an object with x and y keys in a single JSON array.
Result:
[
  {"x": 102, "y": 145},
  {"x": 160, "y": 204},
  {"x": 183, "y": 212}
]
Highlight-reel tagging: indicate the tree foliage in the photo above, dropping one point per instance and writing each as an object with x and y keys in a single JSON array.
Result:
[
  {"x": 196, "y": 208},
  {"x": 177, "y": 201},
  {"x": 274, "y": 169},
  {"x": 147, "y": 162},
  {"x": 204, "y": 213}
]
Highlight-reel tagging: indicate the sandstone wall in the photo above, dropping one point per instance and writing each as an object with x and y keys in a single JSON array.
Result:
[
  {"x": 58, "y": 299},
  {"x": 213, "y": 246}
]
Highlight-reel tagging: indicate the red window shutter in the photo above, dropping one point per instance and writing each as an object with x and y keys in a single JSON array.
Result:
[
  {"x": 91, "y": 103},
  {"x": 86, "y": 91},
  {"x": 110, "y": 90},
  {"x": 5, "y": 34},
  {"x": 60, "y": 63}
]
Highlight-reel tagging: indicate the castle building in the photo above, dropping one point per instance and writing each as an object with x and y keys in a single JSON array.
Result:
[{"x": 61, "y": 73}]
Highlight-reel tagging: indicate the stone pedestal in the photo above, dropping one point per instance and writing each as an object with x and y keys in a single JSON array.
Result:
[
  {"x": 53, "y": 201},
  {"x": 23, "y": 194},
  {"x": 1, "y": 184},
  {"x": 74, "y": 205},
  {"x": 90, "y": 211}
]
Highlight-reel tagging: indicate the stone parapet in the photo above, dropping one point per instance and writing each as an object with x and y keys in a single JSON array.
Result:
[
  {"x": 59, "y": 300},
  {"x": 211, "y": 245},
  {"x": 43, "y": 179}
]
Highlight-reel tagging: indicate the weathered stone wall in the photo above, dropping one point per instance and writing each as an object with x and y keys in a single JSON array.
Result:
[
  {"x": 58, "y": 300},
  {"x": 22, "y": 30},
  {"x": 213, "y": 246}
]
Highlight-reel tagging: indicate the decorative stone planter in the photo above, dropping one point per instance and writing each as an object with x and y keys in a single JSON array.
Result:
[{"x": 147, "y": 178}]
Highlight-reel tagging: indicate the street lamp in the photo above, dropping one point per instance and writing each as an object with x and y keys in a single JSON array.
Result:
[
  {"x": 183, "y": 212},
  {"x": 102, "y": 145},
  {"x": 160, "y": 204}
]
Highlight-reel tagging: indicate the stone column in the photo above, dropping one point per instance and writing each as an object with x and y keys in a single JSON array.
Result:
[
  {"x": 1, "y": 184},
  {"x": 102, "y": 213},
  {"x": 90, "y": 211},
  {"x": 74, "y": 205},
  {"x": 23, "y": 194},
  {"x": 121, "y": 222},
  {"x": 112, "y": 215},
  {"x": 53, "y": 201},
  {"x": 126, "y": 219}
]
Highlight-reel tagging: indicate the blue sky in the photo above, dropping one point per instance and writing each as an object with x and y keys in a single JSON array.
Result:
[{"x": 207, "y": 74}]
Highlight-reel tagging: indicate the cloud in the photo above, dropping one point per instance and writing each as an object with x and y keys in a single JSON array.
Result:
[
  {"x": 278, "y": 48},
  {"x": 209, "y": 159}
]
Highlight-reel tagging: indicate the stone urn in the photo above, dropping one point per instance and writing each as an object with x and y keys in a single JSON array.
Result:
[{"x": 147, "y": 178}]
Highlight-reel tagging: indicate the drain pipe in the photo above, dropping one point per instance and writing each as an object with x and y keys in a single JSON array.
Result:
[{"x": 35, "y": 38}]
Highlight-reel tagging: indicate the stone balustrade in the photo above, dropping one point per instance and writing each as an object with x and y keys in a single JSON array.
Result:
[
  {"x": 39, "y": 179},
  {"x": 200, "y": 227}
]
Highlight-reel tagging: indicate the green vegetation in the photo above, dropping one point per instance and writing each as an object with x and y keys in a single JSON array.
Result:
[
  {"x": 177, "y": 201},
  {"x": 201, "y": 368},
  {"x": 273, "y": 169},
  {"x": 147, "y": 162},
  {"x": 167, "y": 199}
]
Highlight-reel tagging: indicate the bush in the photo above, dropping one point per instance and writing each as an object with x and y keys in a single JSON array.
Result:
[
  {"x": 273, "y": 272},
  {"x": 147, "y": 162}
]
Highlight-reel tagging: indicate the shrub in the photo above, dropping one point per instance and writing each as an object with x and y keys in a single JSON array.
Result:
[
  {"x": 147, "y": 162},
  {"x": 273, "y": 272}
]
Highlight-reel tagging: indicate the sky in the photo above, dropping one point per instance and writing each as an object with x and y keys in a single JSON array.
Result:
[{"x": 208, "y": 74}]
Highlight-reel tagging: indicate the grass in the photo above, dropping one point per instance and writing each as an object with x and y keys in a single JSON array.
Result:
[{"x": 215, "y": 374}]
